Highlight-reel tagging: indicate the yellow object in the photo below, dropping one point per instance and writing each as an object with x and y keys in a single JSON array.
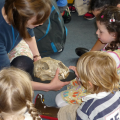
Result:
[
  {"x": 74, "y": 93},
  {"x": 70, "y": 1}
]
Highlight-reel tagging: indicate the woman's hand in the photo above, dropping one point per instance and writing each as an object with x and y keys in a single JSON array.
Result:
[{"x": 56, "y": 84}]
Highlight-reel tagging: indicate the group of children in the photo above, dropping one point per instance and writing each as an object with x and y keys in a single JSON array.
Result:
[
  {"x": 95, "y": 106},
  {"x": 96, "y": 87},
  {"x": 94, "y": 74}
]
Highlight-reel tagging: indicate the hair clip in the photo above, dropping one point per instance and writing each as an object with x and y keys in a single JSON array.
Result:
[
  {"x": 102, "y": 16},
  {"x": 112, "y": 19}
]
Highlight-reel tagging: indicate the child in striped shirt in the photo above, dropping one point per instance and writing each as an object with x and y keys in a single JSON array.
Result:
[{"x": 98, "y": 74}]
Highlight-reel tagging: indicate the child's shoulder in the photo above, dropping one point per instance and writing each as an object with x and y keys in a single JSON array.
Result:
[
  {"x": 99, "y": 105},
  {"x": 99, "y": 99}
]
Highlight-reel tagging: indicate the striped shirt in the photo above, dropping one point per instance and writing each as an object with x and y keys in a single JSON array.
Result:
[{"x": 101, "y": 106}]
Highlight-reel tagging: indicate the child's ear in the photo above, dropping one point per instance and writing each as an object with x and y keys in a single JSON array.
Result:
[
  {"x": 91, "y": 85},
  {"x": 113, "y": 35},
  {"x": 118, "y": 5}
]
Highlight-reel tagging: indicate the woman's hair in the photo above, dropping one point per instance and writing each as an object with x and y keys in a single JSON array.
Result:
[
  {"x": 20, "y": 11},
  {"x": 16, "y": 93},
  {"x": 100, "y": 69},
  {"x": 105, "y": 18},
  {"x": 99, "y": 4}
]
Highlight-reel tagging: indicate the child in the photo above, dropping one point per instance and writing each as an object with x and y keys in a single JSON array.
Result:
[
  {"x": 99, "y": 45},
  {"x": 96, "y": 6},
  {"x": 16, "y": 95},
  {"x": 108, "y": 22},
  {"x": 98, "y": 74}
]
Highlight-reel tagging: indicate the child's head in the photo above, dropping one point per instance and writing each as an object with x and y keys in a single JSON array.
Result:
[
  {"x": 15, "y": 93},
  {"x": 96, "y": 6},
  {"x": 108, "y": 23},
  {"x": 98, "y": 72},
  {"x": 27, "y": 13}
]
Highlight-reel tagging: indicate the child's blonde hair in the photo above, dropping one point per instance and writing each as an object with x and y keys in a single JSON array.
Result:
[
  {"x": 100, "y": 69},
  {"x": 16, "y": 93}
]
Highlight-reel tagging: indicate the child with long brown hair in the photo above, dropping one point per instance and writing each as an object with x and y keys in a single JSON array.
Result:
[{"x": 96, "y": 6}]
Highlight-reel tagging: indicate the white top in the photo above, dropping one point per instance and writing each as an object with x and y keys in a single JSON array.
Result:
[
  {"x": 115, "y": 57},
  {"x": 98, "y": 96},
  {"x": 28, "y": 116}
]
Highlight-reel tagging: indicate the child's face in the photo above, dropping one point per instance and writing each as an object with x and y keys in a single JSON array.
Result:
[
  {"x": 103, "y": 34},
  {"x": 30, "y": 23}
]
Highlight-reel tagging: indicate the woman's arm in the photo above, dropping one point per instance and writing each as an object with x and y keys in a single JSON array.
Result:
[
  {"x": 55, "y": 84},
  {"x": 33, "y": 46}
]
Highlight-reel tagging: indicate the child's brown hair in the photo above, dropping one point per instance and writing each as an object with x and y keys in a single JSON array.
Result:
[
  {"x": 100, "y": 69},
  {"x": 110, "y": 18}
]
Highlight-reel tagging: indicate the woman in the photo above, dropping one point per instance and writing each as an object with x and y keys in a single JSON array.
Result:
[{"x": 17, "y": 19}]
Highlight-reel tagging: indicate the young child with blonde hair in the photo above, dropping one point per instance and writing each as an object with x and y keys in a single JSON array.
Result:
[
  {"x": 98, "y": 74},
  {"x": 16, "y": 96}
]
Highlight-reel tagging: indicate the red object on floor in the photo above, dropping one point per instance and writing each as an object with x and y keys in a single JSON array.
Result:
[
  {"x": 47, "y": 117},
  {"x": 72, "y": 8},
  {"x": 89, "y": 16}
]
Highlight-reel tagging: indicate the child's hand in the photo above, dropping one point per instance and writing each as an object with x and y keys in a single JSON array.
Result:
[
  {"x": 74, "y": 69},
  {"x": 56, "y": 84}
]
